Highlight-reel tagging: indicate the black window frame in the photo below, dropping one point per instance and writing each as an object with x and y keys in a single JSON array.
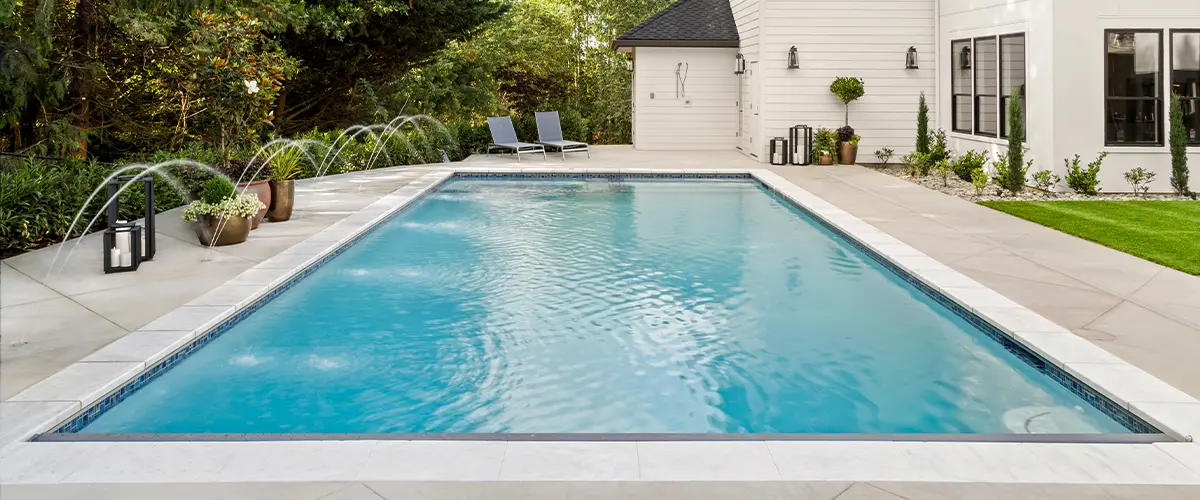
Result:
[
  {"x": 1159, "y": 122},
  {"x": 1171, "y": 80},
  {"x": 975, "y": 83},
  {"x": 1004, "y": 97},
  {"x": 955, "y": 63}
]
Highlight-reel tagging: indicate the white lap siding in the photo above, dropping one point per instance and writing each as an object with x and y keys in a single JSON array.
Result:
[
  {"x": 862, "y": 38},
  {"x": 699, "y": 113}
]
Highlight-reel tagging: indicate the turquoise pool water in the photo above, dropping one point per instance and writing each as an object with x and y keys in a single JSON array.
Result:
[{"x": 568, "y": 306}]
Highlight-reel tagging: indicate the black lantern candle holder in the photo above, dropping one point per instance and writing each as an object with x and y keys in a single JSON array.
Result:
[
  {"x": 779, "y": 151},
  {"x": 143, "y": 245},
  {"x": 122, "y": 248},
  {"x": 800, "y": 138}
]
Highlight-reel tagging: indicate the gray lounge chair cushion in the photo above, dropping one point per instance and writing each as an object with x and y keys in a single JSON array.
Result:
[
  {"x": 550, "y": 131},
  {"x": 504, "y": 134}
]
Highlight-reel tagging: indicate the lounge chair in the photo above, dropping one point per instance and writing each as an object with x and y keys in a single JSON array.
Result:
[
  {"x": 550, "y": 135},
  {"x": 504, "y": 137}
]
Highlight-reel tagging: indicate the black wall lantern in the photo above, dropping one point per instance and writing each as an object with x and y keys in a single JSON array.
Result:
[
  {"x": 793, "y": 58},
  {"x": 739, "y": 64},
  {"x": 127, "y": 244},
  {"x": 910, "y": 60},
  {"x": 964, "y": 57}
]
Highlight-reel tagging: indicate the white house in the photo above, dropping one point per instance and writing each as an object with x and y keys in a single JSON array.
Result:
[{"x": 1096, "y": 75}]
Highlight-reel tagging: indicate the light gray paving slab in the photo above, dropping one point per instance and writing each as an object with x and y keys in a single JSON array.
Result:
[
  {"x": 81, "y": 382},
  {"x": 706, "y": 461},
  {"x": 40, "y": 338},
  {"x": 154, "y": 463},
  {"x": 191, "y": 318},
  {"x": 235, "y": 296},
  {"x": 1114, "y": 463},
  {"x": 45, "y": 463},
  {"x": 1018, "y": 319},
  {"x": 564, "y": 461},
  {"x": 434, "y": 461},
  {"x": 1127, "y": 384},
  {"x": 287, "y": 261},
  {"x": 841, "y": 461},
  {"x": 22, "y": 420},
  {"x": 1181, "y": 418},
  {"x": 146, "y": 347},
  {"x": 1187, "y": 454},
  {"x": 261, "y": 276},
  {"x": 1063, "y": 348},
  {"x": 291, "y": 460},
  {"x": 16, "y": 288}
]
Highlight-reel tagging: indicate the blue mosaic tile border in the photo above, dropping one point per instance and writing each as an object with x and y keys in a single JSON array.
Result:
[{"x": 1113, "y": 410}]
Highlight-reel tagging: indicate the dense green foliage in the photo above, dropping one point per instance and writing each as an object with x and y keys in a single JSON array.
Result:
[
  {"x": 1011, "y": 175},
  {"x": 1081, "y": 180},
  {"x": 1014, "y": 177},
  {"x": 1178, "y": 140},
  {"x": 217, "y": 189},
  {"x": 966, "y": 165},
  {"x": 847, "y": 89},
  {"x": 110, "y": 78},
  {"x": 1166, "y": 232}
]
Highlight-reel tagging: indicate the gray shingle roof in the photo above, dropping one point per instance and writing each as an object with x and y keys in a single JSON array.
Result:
[{"x": 685, "y": 23}]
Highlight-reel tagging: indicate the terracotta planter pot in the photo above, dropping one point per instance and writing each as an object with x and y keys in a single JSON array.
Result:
[
  {"x": 234, "y": 231},
  {"x": 283, "y": 199},
  {"x": 825, "y": 159},
  {"x": 263, "y": 190},
  {"x": 847, "y": 153}
]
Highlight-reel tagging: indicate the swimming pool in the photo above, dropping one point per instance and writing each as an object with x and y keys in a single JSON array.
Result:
[{"x": 603, "y": 306}]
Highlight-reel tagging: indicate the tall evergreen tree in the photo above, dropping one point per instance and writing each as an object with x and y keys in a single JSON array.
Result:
[
  {"x": 1016, "y": 146},
  {"x": 922, "y": 126},
  {"x": 1179, "y": 166}
]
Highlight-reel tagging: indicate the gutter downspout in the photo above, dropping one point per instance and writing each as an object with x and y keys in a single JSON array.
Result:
[{"x": 937, "y": 60}]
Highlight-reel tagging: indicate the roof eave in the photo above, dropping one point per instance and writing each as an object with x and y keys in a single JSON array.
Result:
[{"x": 629, "y": 44}]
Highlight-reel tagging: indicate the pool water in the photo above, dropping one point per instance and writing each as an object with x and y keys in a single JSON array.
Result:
[{"x": 600, "y": 306}]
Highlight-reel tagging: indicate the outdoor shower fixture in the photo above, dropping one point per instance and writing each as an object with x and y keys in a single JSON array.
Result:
[
  {"x": 793, "y": 58},
  {"x": 681, "y": 71},
  {"x": 910, "y": 59}
]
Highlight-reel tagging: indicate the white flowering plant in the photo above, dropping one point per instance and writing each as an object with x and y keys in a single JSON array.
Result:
[{"x": 242, "y": 205}]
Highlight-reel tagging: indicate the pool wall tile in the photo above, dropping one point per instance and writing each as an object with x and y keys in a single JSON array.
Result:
[{"x": 909, "y": 265}]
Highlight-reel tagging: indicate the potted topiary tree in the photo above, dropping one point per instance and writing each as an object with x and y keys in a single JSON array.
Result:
[
  {"x": 222, "y": 216},
  {"x": 847, "y": 89},
  {"x": 285, "y": 167}
]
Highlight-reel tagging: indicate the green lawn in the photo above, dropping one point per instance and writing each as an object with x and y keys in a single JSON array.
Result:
[{"x": 1166, "y": 232}]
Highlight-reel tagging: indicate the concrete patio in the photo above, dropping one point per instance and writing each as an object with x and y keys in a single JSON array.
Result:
[{"x": 1137, "y": 310}]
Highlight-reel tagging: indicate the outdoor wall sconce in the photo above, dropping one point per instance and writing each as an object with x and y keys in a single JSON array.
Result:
[
  {"x": 629, "y": 65},
  {"x": 964, "y": 58},
  {"x": 910, "y": 60},
  {"x": 739, "y": 64},
  {"x": 127, "y": 244},
  {"x": 793, "y": 58}
]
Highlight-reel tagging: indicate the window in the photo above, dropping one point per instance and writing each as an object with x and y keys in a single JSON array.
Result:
[
  {"x": 986, "y": 83},
  {"x": 1185, "y": 78},
  {"x": 1012, "y": 76},
  {"x": 960, "y": 82},
  {"x": 1133, "y": 88}
]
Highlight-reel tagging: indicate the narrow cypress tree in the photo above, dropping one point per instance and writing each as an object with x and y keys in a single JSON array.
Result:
[
  {"x": 1016, "y": 150},
  {"x": 1179, "y": 167},
  {"x": 922, "y": 126}
]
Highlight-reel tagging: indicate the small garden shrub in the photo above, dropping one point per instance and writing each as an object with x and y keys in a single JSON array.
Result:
[
  {"x": 979, "y": 180},
  {"x": 217, "y": 189},
  {"x": 1139, "y": 179},
  {"x": 1084, "y": 181},
  {"x": 824, "y": 142},
  {"x": 1045, "y": 180},
  {"x": 944, "y": 168},
  {"x": 884, "y": 155},
  {"x": 966, "y": 165},
  {"x": 919, "y": 164}
]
